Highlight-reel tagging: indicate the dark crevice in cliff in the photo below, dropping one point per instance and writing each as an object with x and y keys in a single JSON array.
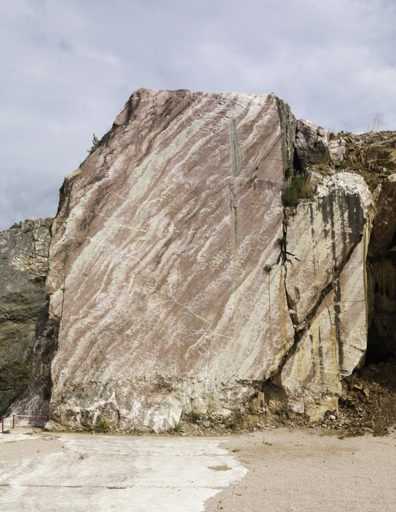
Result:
[
  {"x": 381, "y": 280},
  {"x": 63, "y": 289},
  {"x": 34, "y": 401},
  {"x": 378, "y": 350},
  {"x": 288, "y": 132}
]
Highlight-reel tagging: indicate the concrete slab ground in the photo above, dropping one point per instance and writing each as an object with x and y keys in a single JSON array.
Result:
[
  {"x": 274, "y": 471},
  {"x": 95, "y": 473}
]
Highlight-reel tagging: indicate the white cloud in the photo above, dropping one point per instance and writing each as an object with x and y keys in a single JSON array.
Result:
[{"x": 67, "y": 69}]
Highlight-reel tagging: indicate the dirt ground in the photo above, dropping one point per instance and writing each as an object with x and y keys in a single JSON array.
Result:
[
  {"x": 18, "y": 451},
  {"x": 369, "y": 398},
  {"x": 310, "y": 470}
]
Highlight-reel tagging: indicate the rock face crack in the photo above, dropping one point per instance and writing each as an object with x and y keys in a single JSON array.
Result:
[{"x": 303, "y": 326}]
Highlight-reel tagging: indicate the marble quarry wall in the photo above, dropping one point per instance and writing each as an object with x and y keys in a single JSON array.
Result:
[{"x": 179, "y": 280}]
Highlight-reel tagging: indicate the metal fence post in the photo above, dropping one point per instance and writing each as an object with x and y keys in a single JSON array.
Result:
[{"x": 13, "y": 421}]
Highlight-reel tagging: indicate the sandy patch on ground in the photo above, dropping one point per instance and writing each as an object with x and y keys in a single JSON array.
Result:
[{"x": 17, "y": 448}]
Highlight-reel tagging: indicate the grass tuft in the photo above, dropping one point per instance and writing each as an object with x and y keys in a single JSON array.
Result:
[
  {"x": 176, "y": 427},
  {"x": 194, "y": 415},
  {"x": 372, "y": 129},
  {"x": 102, "y": 425},
  {"x": 294, "y": 189},
  {"x": 95, "y": 145}
]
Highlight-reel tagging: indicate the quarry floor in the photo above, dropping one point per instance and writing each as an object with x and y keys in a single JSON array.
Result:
[{"x": 279, "y": 470}]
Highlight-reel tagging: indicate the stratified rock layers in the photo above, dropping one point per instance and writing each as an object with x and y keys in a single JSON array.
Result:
[{"x": 157, "y": 261}]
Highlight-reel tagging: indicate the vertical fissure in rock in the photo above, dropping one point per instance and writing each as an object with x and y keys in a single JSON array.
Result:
[
  {"x": 337, "y": 321},
  {"x": 236, "y": 154},
  {"x": 236, "y": 167},
  {"x": 302, "y": 328}
]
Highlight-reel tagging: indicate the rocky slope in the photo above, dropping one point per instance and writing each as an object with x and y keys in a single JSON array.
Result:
[
  {"x": 23, "y": 270},
  {"x": 210, "y": 254}
]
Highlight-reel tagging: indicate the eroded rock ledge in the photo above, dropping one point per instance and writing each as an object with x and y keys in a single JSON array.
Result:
[{"x": 179, "y": 282}]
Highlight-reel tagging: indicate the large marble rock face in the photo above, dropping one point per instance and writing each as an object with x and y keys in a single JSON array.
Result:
[
  {"x": 157, "y": 258},
  {"x": 23, "y": 271}
]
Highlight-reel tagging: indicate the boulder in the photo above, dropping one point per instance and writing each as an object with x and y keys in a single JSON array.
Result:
[
  {"x": 337, "y": 149},
  {"x": 178, "y": 281}
]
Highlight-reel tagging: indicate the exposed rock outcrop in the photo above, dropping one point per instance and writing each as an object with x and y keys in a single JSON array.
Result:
[
  {"x": 32, "y": 406},
  {"x": 326, "y": 287},
  {"x": 23, "y": 271},
  {"x": 178, "y": 281},
  {"x": 372, "y": 155},
  {"x": 315, "y": 145}
]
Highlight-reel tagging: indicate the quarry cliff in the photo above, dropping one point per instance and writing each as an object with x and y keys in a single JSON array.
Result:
[{"x": 212, "y": 250}]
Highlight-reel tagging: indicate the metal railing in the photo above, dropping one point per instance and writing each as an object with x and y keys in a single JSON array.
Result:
[{"x": 14, "y": 417}]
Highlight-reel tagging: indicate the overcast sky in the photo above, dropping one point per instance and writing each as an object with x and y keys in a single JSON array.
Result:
[{"x": 67, "y": 67}]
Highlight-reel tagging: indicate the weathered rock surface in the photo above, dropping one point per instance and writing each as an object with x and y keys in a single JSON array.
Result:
[
  {"x": 23, "y": 270},
  {"x": 326, "y": 286},
  {"x": 321, "y": 237},
  {"x": 157, "y": 261},
  {"x": 314, "y": 145}
]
